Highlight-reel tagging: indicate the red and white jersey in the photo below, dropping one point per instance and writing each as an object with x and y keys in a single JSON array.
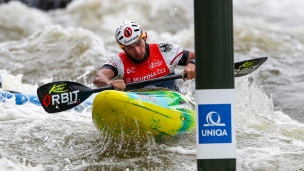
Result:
[{"x": 162, "y": 60}]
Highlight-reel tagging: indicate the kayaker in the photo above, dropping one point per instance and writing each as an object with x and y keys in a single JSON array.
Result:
[{"x": 141, "y": 61}]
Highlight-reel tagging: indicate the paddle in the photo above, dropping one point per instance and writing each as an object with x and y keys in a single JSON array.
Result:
[
  {"x": 63, "y": 95},
  {"x": 246, "y": 67}
]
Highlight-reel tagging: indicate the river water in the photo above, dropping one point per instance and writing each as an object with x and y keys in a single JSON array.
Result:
[{"x": 38, "y": 47}]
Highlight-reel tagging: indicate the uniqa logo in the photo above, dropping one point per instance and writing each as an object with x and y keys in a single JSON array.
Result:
[{"x": 211, "y": 123}]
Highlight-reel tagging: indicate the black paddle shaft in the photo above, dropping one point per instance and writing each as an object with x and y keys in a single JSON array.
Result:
[{"x": 63, "y": 95}]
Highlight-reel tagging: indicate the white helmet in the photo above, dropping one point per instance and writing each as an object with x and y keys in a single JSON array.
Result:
[{"x": 128, "y": 32}]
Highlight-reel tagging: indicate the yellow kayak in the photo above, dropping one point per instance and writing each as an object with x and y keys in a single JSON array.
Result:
[{"x": 140, "y": 115}]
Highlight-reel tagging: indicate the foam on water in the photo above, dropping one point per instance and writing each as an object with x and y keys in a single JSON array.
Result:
[{"x": 73, "y": 43}]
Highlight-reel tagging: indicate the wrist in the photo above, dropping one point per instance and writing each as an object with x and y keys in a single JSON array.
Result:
[{"x": 192, "y": 61}]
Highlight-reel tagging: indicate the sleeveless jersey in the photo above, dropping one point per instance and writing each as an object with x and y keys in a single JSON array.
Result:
[{"x": 154, "y": 67}]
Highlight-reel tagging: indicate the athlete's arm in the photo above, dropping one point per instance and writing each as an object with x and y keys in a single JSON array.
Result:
[
  {"x": 190, "y": 66},
  {"x": 104, "y": 76},
  {"x": 190, "y": 57},
  {"x": 176, "y": 55}
]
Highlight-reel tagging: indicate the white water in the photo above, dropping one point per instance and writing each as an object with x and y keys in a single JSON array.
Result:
[{"x": 71, "y": 44}]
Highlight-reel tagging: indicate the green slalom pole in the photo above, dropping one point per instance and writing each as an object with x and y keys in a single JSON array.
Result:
[{"x": 214, "y": 94}]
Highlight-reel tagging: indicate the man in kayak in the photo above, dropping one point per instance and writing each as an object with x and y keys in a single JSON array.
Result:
[{"x": 141, "y": 61}]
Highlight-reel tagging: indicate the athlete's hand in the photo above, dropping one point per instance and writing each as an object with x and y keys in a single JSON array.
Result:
[
  {"x": 118, "y": 84},
  {"x": 189, "y": 71}
]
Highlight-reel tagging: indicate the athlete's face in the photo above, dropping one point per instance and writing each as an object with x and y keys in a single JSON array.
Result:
[{"x": 137, "y": 50}]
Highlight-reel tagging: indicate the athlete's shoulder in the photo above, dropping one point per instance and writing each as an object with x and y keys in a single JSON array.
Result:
[
  {"x": 114, "y": 60},
  {"x": 117, "y": 63},
  {"x": 167, "y": 47}
]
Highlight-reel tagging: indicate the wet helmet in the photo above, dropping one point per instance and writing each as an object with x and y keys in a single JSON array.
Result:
[{"x": 128, "y": 32}]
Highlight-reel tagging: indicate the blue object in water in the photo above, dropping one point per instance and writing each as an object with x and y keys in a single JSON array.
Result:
[{"x": 20, "y": 98}]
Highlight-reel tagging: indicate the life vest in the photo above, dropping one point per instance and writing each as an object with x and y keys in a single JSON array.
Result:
[{"x": 154, "y": 67}]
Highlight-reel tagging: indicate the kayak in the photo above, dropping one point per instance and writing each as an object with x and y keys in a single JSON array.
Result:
[{"x": 139, "y": 115}]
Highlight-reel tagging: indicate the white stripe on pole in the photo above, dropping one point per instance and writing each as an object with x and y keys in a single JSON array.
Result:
[{"x": 215, "y": 136}]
